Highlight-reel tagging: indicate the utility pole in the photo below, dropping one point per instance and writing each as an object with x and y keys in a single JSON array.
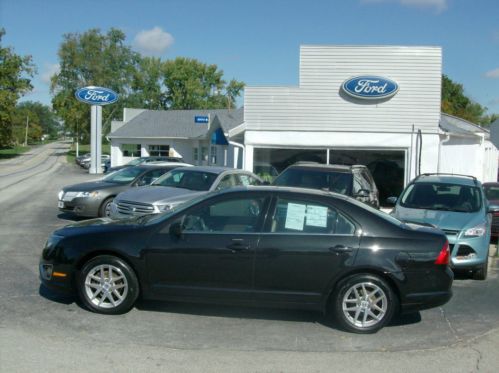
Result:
[{"x": 26, "y": 135}]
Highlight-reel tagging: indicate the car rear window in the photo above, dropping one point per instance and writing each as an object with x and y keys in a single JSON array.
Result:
[
  {"x": 491, "y": 192},
  {"x": 338, "y": 182}
]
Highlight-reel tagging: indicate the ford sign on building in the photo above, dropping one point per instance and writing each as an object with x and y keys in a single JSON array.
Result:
[
  {"x": 96, "y": 95},
  {"x": 370, "y": 87}
]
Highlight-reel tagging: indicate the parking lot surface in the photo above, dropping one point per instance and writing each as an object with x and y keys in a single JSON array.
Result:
[{"x": 41, "y": 330}]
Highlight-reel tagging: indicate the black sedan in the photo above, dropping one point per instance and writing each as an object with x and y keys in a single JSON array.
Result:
[
  {"x": 94, "y": 198},
  {"x": 269, "y": 246}
]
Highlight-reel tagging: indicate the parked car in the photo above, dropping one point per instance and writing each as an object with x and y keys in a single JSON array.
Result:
[
  {"x": 492, "y": 194},
  {"x": 355, "y": 181},
  {"x": 457, "y": 205},
  {"x": 142, "y": 160},
  {"x": 85, "y": 163},
  {"x": 94, "y": 198},
  {"x": 177, "y": 187},
  {"x": 269, "y": 246},
  {"x": 82, "y": 157}
]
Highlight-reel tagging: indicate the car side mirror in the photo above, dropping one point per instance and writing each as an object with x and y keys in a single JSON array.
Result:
[
  {"x": 493, "y": 208},
  {"x": 176, "y": 229},
  {"x": 391, "y": 201}
]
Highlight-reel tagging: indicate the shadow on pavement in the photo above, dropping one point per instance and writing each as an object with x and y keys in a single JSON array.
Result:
[{"x": 71, "y": 217}]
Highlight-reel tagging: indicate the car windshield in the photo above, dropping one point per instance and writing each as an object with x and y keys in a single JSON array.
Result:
[
  {"x": 338, "y": 182},
  {"x": 440, "y": 196},
  {"x": 492, "y": 192},
  {"x": 187, "y": 179},
  {"x": 123, "y": 176}
]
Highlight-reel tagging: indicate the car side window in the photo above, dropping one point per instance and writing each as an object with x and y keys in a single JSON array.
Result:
[
  {"x": 227, "y": 181},
  {"x": 236, "y": 215},
  {"x": 301, "y": 216},
  {"x": 247, "y": 180},
  {"x": 150, "y": 176}
]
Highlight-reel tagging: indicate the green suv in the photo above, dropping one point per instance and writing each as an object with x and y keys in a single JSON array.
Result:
[{"x": 457, "y": 205}]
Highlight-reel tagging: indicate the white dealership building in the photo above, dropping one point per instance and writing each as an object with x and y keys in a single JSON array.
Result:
[{"x": 372, "y": 105}]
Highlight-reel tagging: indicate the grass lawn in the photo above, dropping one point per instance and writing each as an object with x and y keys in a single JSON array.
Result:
[
  {"x": 84, "y": 148},
  {"x": 6, "y": 153}
]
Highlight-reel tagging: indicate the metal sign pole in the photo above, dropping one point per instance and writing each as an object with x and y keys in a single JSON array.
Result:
[{"x": 95, "y": 139}]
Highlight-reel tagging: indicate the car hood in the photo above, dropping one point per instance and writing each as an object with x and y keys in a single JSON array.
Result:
[
  {"x": 99, "y": 225},
  {"x": 152, "y": 194},
  {"x": 449, "y": 220},
  {"x": 90, "y": 186}
]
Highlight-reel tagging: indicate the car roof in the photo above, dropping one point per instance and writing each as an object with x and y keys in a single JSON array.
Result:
[
  {"x": 323, "y": 166},
  {"x": 216, "y": 169},
  {"x": 166, "y": 163},
  {"x": 149, "y": 166},
  {"x": 273, "y": 188},
  {"x": 447, "y": 179}
]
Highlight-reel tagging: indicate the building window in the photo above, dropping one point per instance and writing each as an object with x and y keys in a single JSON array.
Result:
[
  {"x": 159, "y": 150},
  {"x": 130, "y": 150},
  {"x": 213, "y": 154},
  {"x": 195, "y": 154},
  {"x": 204, "y": 153}
]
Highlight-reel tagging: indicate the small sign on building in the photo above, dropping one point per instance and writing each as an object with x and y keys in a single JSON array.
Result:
[{"x": 201, "y": 119}]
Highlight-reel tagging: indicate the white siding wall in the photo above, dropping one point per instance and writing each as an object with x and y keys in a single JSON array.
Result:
[{"x": 319, "y": 105}]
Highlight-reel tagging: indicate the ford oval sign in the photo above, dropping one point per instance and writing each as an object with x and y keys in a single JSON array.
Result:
[
  {"x": 96, "y": 95},
  {"x": 370, "y": 87}
]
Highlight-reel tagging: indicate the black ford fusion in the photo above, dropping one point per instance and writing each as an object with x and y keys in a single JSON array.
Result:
[{"x": 269, "y": 246}]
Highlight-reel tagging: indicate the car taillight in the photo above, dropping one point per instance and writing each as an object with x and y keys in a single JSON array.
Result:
[{"x": 444, "y": 255}]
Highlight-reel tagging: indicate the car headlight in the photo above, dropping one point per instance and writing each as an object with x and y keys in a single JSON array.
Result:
[
  {"x": 61, "y": 194},
  {"x": 163, "y": 208},
  {"x": 476, "y": 231},
  {"x": 87, "y": 194}
]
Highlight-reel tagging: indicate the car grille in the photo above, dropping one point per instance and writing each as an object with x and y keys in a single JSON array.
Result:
[
  {"x": 134, "y": 208},
  {"x": 450, "y": 232},
  {"x": 69, "y": 196}
]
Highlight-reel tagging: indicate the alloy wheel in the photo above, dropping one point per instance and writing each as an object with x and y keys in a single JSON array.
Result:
[
  {"x": 106, "y": 286},
  {"x": 364, "y": 304}
]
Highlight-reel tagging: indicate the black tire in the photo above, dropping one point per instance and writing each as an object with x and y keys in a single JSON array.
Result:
[
  {"x": 363, "y": 309},
  {"x": 105, "y": 207},
  {"x": 481, "y": 274},
  {"x": 108, "y": 294}
]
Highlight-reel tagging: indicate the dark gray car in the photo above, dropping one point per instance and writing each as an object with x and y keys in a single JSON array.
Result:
[
  {"x": 93, "y": 198},
  {"x": 178, "y": 186}
]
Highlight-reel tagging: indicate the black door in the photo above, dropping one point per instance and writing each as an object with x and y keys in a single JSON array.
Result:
[
  {"x": 213, "y": 256},
  {"x": 303, "y": 247}
]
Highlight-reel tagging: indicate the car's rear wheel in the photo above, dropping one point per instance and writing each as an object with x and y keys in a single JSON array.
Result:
[
  {"x": 108, "y": 285},
  {"x": 105, "y": 208},
  {"x": 481, "y": 273},
  {"x": 364, "y": 303}
]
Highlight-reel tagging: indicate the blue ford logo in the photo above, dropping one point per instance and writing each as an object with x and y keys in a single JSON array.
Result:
[
  {"x": 96, "y": 95},
  {"x": 370, "y": 87}
]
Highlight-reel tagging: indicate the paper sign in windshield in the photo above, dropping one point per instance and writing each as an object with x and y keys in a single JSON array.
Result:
[
  {"x": 316, "y": 216},
  {"x": 295, "y": 216}
]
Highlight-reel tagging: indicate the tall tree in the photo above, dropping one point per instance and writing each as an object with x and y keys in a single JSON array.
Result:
[
  {"x": 191, "y": 84},
  {"x": 92, "y": 58},
  {"x": 455, "y": 102},
  {"x": 15, "y": 74},
  {"x": 41, "y": 119},
  {"x": 147, "y": 89}
]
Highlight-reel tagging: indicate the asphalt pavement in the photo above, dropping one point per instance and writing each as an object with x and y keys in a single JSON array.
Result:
[{"x": 42, "y": 331}]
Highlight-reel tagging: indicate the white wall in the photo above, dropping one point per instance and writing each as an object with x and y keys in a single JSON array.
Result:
[{"x": 318, "y": 104}]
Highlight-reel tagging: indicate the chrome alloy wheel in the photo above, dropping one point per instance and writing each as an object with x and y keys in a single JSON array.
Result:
[
  {"x": 365, "y": 304},
  {"x": 106, "y": 286}
]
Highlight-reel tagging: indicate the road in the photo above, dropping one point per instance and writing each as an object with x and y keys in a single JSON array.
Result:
[{"x": 42, "y": 331}]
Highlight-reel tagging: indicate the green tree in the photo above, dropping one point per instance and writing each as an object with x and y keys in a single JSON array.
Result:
[
  {"x": 92, "y": 58},
  {"x": 455, "y": 102},
  {"x": 147, "y": 89},
  {"x": 15, "y": 74},
  {"x": 191, "y": 84},
  {"x": 39, "y": 114}
]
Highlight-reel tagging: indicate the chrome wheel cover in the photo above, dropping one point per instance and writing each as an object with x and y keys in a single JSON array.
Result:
[
  {"x": 106, "y": 286},
  {"x": 364, "y": 304}
]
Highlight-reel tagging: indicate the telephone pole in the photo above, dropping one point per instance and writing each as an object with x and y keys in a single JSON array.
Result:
[{"x": 26, "y": 135}]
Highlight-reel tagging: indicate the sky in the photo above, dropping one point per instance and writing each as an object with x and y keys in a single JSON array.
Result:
[{"x": 258, "y": 41}]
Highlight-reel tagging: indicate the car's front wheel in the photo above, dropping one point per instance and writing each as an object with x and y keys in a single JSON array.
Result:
[
  {"x": 364, "y": 303},
  {"x": 105, "y": 208},
  {"x": 108, "y": 285}
]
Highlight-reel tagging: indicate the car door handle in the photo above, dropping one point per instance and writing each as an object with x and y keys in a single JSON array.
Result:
[
  {"x": 237, "y": 245},
  {"x": 340, "y": 249}
]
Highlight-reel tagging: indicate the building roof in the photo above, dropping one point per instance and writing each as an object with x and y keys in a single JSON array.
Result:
[
  {"x": 458, "y": 126},
  {"x": 178, "y": 123}
]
